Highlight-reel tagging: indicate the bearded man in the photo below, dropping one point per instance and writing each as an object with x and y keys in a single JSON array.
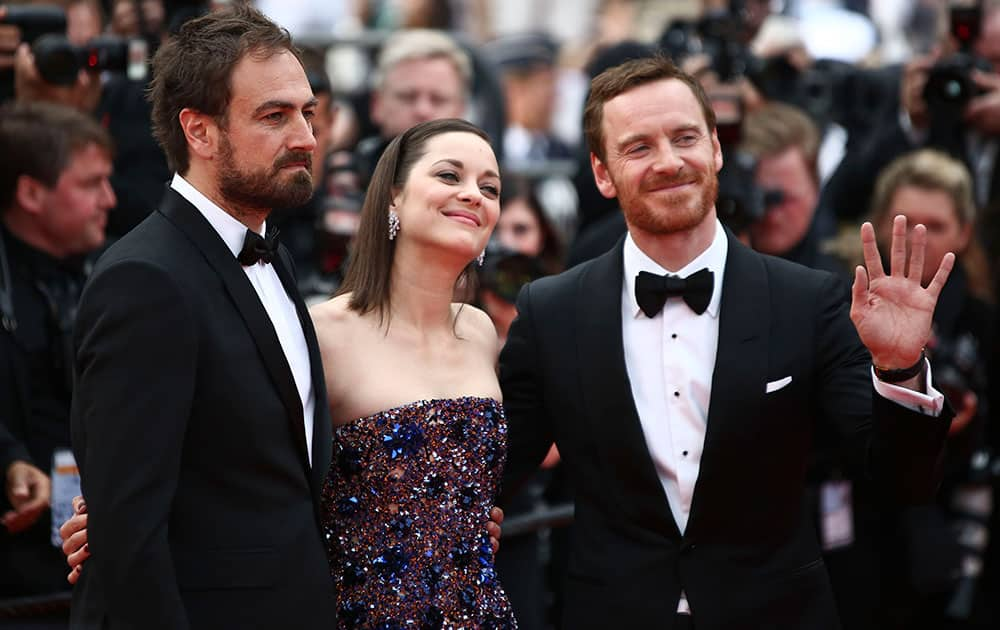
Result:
[
  {"x": 200, "y": 422},
  {"x": 683, "y": 375}
]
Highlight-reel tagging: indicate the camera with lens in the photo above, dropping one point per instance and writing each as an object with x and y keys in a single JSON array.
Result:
[
  {"x": 949, "y": 86},
  {"x": 740, "y": 201},
  {"x": 59, "y": 61}
]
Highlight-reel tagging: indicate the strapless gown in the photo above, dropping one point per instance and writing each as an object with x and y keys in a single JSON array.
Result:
[{"x": 405, "y": 507}]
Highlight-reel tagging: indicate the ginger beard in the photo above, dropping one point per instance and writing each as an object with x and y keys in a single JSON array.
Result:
[{"x": 655, "y": 209}]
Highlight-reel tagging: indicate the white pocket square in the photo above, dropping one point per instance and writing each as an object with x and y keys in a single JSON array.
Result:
[{"x": 774, "y": 386}]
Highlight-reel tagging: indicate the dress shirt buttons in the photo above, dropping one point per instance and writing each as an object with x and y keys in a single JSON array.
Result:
[
  {"x": 673, "y": 336},
  {"x": 684, "y": 453},
  {"x": 677, "y": 394}
]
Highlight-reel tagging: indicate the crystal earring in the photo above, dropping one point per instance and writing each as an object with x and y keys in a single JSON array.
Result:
[
  {"x": 393, "y": 225},
  {"x": 481, "y": 257}
]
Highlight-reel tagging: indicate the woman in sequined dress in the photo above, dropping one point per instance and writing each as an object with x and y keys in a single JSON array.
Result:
[{"x": 420, "y": 435}]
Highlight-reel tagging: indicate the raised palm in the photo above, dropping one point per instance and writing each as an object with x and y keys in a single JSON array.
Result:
[{"x": 893, "y": 313}]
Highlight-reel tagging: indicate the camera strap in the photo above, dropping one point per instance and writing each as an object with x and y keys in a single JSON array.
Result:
[{"x": 7, "y": 318}]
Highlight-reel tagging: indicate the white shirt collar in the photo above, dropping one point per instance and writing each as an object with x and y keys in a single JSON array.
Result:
[
  {"x": 231, "y": 230},
  {"x": 714, "y": 258}
]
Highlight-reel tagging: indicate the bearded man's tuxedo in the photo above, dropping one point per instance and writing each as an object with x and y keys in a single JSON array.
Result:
[{"x": 743, "y": 550}]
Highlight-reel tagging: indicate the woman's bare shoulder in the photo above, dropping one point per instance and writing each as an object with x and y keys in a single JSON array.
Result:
[
  {"x": 333, "y": 315},
  {"x": 474, "y": 324}
]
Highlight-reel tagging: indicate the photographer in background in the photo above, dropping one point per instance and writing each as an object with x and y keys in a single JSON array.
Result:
[
  {"x": 783, "y": 143},
  {"x": 54, "y": 203},
  {"x": 949, "y": 101},
  {"x": 21, "y": 26},
  {"x": 63, "y": 57}
]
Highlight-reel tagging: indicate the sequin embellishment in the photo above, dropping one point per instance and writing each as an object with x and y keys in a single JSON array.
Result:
[{"x": 405, "y": 507}]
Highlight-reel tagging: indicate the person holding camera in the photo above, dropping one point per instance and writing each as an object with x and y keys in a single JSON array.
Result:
[
  {"x": 54, "y": 200},
  {"x": 946, "y": 101},
  {"x": 784, "y": 145}
]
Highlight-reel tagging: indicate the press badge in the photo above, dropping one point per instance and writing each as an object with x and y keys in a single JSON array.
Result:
[
  {"x": 836, "y": 514},
  {"x": 65, "y": 486}
]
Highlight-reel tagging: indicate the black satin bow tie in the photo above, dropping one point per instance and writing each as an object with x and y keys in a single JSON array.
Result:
[
  {"x": 652, "y": 291},
  {"x": 257, "y": 248}
]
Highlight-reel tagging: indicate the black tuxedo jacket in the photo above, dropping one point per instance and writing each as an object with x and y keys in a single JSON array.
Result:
[
  {"x": 749, "y": 558},
  {"x": 189, "y": 433}
]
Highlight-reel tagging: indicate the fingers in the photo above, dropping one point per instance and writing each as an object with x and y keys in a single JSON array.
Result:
[
  {"x": 941, "y": 276},
  {"x": 897, "y": 250},
  {"x": 986, "y": 80},
  {"x": 74, "y": 575},
  {"x": 75, "y": 524},
  {"x": 79, "y": 505},
  {"x": 495, "y": 544},
  {"x": 873, "y": 262},
  {"x": 918, "y": 244},
  {"x": 74, "y": 542},
  {"x": 19, "y": 489},
  {"x": 22, "y": 519},
  {"x": 77, "y": 558},
  {"x": 496, "y": 515},
  {"x": 859, "y": 290}
]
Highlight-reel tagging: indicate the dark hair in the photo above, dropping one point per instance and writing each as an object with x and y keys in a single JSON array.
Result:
[
  {"x": 194, "y": 70},
  {"x": 515, "y": 188},
  {"x": 629, "y": 75},
  {"x": 39, "y": 140},
  {"x": 368, "y": 274}
]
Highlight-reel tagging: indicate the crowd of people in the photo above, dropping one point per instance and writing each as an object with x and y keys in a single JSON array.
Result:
[{"x": 724, "y": 284}]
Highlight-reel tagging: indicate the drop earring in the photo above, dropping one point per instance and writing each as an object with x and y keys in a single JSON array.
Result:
[
  {"x": 393, "y": 225},
  {"x": 481, "y": 257}
]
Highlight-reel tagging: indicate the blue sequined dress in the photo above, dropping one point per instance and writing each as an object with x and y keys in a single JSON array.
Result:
[{"x": 405, "y": 507}]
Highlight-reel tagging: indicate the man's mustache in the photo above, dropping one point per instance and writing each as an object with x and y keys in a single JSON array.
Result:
[{"x": 295, "y": 157}]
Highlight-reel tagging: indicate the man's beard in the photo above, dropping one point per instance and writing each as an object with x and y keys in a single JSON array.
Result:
[
  {"x": 678, "y": 212},
  {"x": 268, "y": 190}
]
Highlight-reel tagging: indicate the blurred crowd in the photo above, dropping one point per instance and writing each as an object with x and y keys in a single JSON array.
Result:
[{"x": 829, "y": 114}]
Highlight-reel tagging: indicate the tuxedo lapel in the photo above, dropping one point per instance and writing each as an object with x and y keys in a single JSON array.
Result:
[
  {"x": 607, "y": 393},
  {"x": 740, "y": 363},
  {"x": 187, "y": 218},
  {"x": 322, "y": 425}
]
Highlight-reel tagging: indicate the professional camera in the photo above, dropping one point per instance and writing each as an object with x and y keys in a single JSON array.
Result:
[
  {"x": 33, "y": 22},
  {"x": 58, "y": 61},
  {"x": 740, "y": 202},
  {"x": 949, "y": 84}
]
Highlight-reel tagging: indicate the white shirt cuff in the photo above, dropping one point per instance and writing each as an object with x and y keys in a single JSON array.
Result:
[{"x": 929, "y": 404}]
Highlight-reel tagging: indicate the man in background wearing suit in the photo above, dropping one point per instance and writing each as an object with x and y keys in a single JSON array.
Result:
[
  {"x": 200, "y": 420},
  {"x": 683, "y": 404}
]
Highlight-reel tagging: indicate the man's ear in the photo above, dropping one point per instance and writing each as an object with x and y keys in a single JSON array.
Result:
[
  {"x": 30, "y": 194},
  {"x": 716, "y": 150},
  {"x": 602, "y": 178},
  {"x": 201, "y": 131}
]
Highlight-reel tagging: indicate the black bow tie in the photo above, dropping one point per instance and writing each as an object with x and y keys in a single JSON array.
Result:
[
  {"x": 652, "y": 291},
  {"x": 257, "y": 248}
]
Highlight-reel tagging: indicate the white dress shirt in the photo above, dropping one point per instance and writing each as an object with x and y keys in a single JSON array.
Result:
[
  {"x": 670, "y": 359},
  {"x": 276, "y": 301}
]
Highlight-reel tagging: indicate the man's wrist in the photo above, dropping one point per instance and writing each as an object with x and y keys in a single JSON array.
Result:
[{"x": 900, "y": 375}]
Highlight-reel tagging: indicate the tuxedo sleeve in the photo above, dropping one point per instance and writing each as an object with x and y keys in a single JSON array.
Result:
[
  {"x": 11, "y": 450},
  {"x": 12, "y": 406},
  {"x": 135, "y": 376},
  {"x": 529, "y": 430},
  {"x": 896, "y": 448}
]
